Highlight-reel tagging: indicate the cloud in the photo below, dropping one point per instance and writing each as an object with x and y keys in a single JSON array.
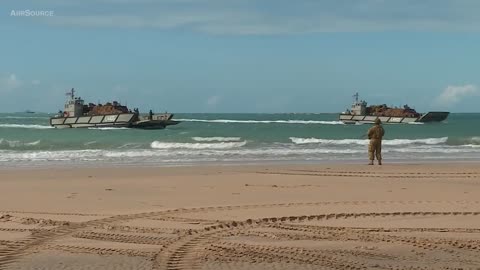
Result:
[
  {"x": 213, "y": 101},
  {"x": 273, "y": 17},
  {"x": 9, "y": 82},
  {"x": 454, "y": 94}
]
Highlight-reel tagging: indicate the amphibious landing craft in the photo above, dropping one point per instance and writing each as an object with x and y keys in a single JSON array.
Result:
[
  {"x": 360, "y": 113},
  {"x": 76, "y": 114}
]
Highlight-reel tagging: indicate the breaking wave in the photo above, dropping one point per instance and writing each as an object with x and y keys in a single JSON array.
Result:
[
  {"x": 464, "y": 141},
  {"x": 33, "y": 143},
  {"x": 194, "y": 153},
  {"x": 89, "y": 143},
  {"x": 216, "y": 139},
  {"x": 264, "y": 121},
  {"x": 24, "y": 126},
  {"x": 471, "y": 141},
  {"x": 17, "y": 144},
  {"x": 165, "y": 155},
  {"x": 25, "y": 117},
  {"x": 130, "y": 146},
  {"x": 429, "y": 141},
  {"x": 220, "y": 145}
]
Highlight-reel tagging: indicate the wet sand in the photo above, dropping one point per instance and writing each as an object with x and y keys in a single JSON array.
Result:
[{"x": 402, "y": 216}]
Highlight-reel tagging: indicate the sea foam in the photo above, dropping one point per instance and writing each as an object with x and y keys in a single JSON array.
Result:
[
  {"x": 17, "y": 144},
  {"x": 218, "y": 139},
  {"x": 220, "y": 145},
  {"x": 429, "y": 141},
  {"x": 24, "y": 126},
  {"x": 226, "y": 121}
]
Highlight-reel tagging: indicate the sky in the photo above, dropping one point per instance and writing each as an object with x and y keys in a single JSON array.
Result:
[{"x": 262, "y": 56}]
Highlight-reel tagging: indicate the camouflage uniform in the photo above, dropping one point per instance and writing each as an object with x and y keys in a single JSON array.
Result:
[{"x": 375, "y": 134}]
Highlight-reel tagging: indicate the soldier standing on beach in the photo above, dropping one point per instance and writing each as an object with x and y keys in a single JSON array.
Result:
[{"x": 375, "y": 134}]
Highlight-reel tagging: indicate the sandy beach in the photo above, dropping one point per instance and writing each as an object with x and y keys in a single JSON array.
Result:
[{"x": 402, "y": 216}]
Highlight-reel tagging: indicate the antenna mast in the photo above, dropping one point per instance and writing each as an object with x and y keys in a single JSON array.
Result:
[
  {"x": 356, "y": 97},
  {"x": 71, "y": 93}
]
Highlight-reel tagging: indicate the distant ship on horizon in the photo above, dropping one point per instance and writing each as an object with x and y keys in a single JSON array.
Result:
[{"x": 360, "y": 113}]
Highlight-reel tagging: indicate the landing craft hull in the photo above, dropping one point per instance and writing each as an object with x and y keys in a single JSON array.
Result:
[
  {"x": 124, "y": 120},
  {"x": 370, "y": 119}
]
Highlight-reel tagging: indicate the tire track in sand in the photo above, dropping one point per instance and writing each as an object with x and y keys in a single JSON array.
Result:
[
  {"x": 180, "y": 253},
  {"x": 372, "y": 175},
  {"x": 185, "y": 254}
]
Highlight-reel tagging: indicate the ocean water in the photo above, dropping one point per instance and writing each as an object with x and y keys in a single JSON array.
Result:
[{"x": 28, "y": 140}]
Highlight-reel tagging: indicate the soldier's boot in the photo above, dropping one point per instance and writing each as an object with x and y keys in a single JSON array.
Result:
[
  {"x": 371, "y": 162},
  {"x": 379, "y": 162}
]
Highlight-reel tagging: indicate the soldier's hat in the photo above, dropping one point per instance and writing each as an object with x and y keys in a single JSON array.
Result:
[{"x": 378, "y": 121}]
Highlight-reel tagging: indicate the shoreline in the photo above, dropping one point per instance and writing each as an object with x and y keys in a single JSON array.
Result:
[{"x": 106, "y": 165}]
